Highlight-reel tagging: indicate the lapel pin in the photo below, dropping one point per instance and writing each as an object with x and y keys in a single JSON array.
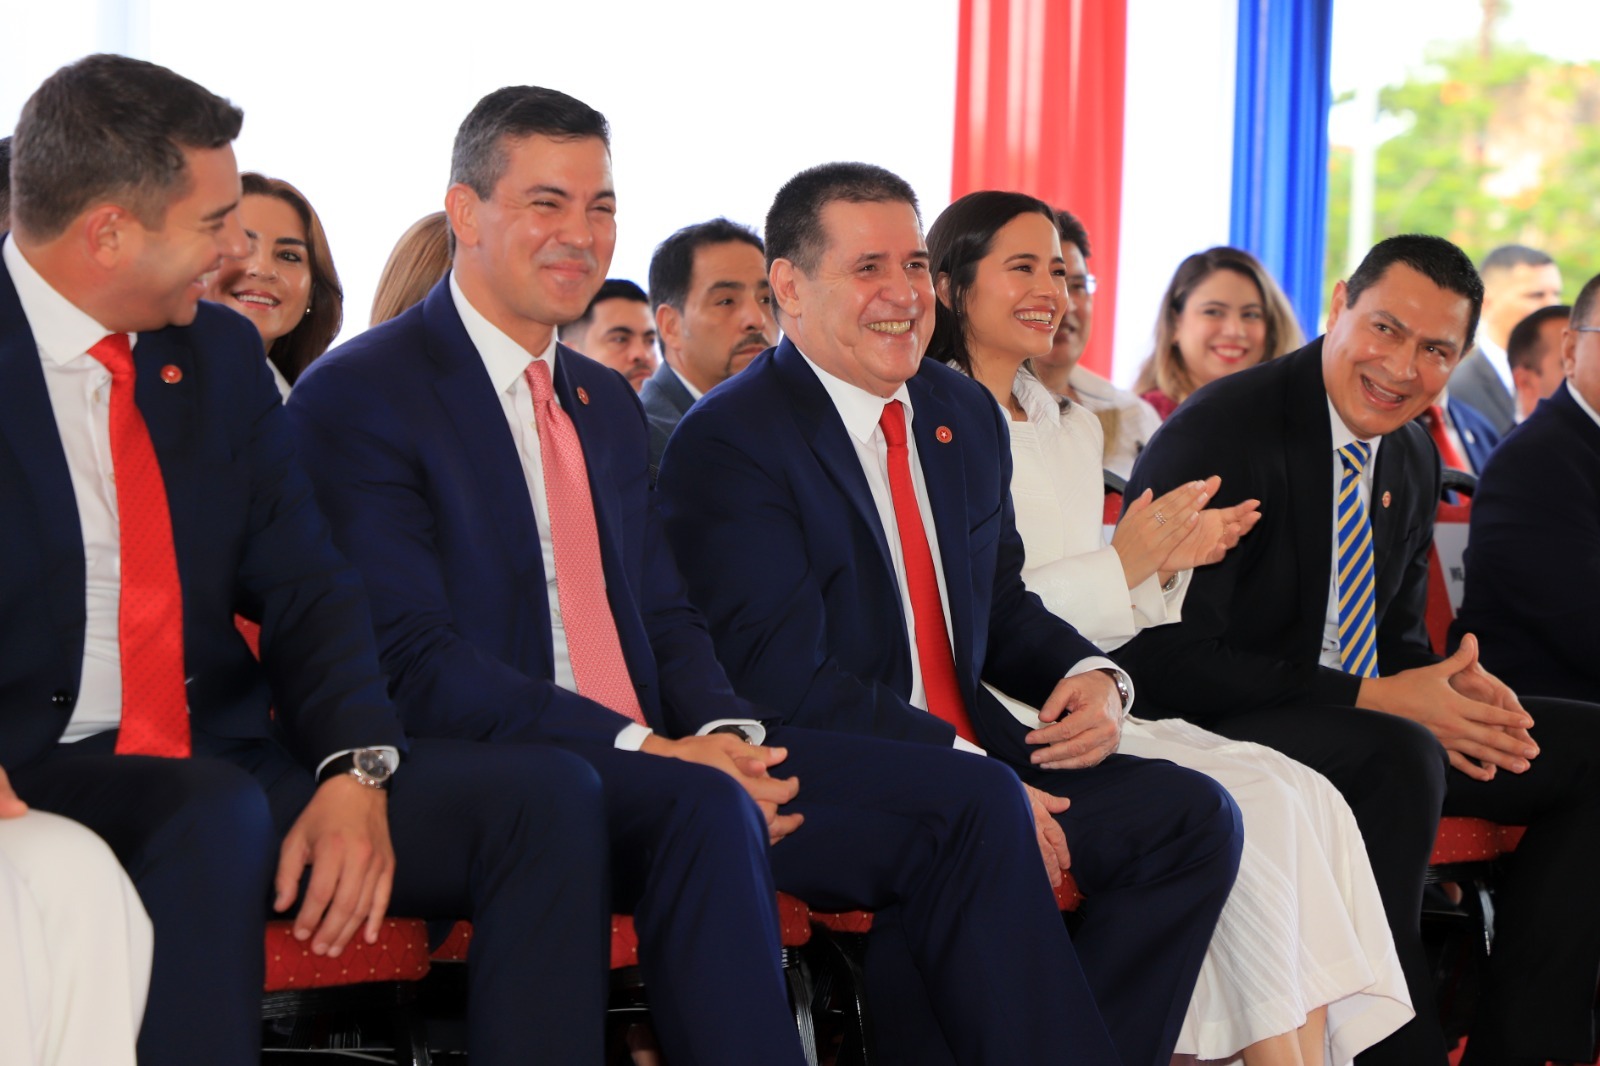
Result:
[
  {"x": 583, "y": 395},
  {"x": 171, "y": 374},
  {"x": 943, "y": 434},
  {"x": 1388, "y": 497}
]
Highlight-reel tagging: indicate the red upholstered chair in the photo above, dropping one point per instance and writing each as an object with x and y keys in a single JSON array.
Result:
[{"x": 318, "y": 1003}]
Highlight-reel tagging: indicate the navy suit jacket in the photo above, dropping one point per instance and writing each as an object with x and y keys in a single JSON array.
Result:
[
  {"x": 1252, "y": 624},
  {"x": 1478, "y": 435},
  {"x": 414, "y": 462},
  {"x": 666, "y": 401},
  {"x": 1533, "y": 555},
  {"x": 248, "y": 537},
  {"x": 775, "y": 529}
]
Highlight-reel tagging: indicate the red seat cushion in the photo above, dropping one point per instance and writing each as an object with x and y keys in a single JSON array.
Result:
[
  {"x": 1473, "y": 840},
  {"x": 401, "y": 954}
]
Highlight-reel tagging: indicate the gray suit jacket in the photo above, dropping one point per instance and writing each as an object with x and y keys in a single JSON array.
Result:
[
  {"x": 1476, "y": 382},
  {"x": 665, "y": 401}
]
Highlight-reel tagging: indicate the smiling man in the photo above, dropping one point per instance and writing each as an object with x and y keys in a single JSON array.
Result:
[
  {"x": 616, "y": 330},
  {"x": 1309, "y": 638},
  {"x": 713, "y": 306}
]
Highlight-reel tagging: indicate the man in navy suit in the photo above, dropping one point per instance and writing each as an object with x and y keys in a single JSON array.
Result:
[
  {"x": 1331, "y": 664},
  {"x": 444, "y": 443},
  {"x": 1533, "y": 553},
  {"x": 129, "y": 700},
  {"x": 778, "y": 507}
]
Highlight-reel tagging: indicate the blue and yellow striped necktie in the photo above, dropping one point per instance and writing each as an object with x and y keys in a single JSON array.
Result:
[{"x": 1358, "y": 625}]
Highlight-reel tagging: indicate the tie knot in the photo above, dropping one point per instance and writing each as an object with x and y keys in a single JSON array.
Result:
[
  {"x": 893, "y": 423},
  {"x": 115, "y": 354},
  {"x": 1355, "y": 455},
  {"x": 538, "y": 375},
  {"x": 1433, "y": 416}
]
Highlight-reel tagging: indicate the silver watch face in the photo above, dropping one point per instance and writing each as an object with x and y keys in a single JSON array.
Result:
[{"x": 371, "y": 763}]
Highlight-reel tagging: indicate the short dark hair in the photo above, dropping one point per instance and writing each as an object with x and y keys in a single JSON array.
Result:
[
  {"x": 1583, "y": 306},
  {"x": 612, "y": 289},
  {"x": 1513, "y": 255},
  {"x": 794, "y": 222},
  {"x": 672, "y": 265},
  {"x": 1525, "y": 347},
  {"x": 110, "y": 127},
  {"x": 959, "y": 238},
  {"x": 516, "y": 111},
  {"x": 1072, "y": 231},
  {"x": 1435, "y": 259},
  {"x": 5, "y": 184}
]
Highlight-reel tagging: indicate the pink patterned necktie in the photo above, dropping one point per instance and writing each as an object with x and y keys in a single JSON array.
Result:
[
  {"x": 592, "y": 644},
  {"x": 155, "y": 710}
]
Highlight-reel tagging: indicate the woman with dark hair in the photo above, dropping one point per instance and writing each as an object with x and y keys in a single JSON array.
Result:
[
  {"x": 421, "y": 257},
  {"x": 287, "y": 285},
  {"x": 1221, "y": 313},
  {"x": 1302, "y": 970}
]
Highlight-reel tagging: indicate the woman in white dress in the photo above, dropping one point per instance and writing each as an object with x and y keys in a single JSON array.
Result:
[{"x": 1301, "y": 970}]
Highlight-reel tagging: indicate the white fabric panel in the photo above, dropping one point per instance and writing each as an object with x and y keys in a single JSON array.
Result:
[{"x": 1177, "y": 169}]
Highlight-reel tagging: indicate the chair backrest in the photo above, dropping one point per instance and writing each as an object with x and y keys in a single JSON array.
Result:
[
  {"x": 1115, "y": 486},
  {"x": 1446, "y": 558}
]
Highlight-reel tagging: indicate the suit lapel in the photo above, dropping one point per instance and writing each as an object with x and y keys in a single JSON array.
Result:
[
  {"x": 944, "y": 473},
  {"x": 824, "y": 432},
  {"x": 28, "y": 428},
  {"x": 1308, "y": 444},
  {"x": 469, "y": 400}
]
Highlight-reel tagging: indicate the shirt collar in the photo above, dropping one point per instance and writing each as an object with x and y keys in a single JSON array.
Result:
[
  {"x": 859, "y": 408},
  {"x": 1498, "y": 359},
  {"x": 504, "y": 359},
  {"x": 693, "y": 392},
  {"x": 1343, "y": 436},
  {"x": 1578, "y": 397},
  {"x": 62, "y": 330}
]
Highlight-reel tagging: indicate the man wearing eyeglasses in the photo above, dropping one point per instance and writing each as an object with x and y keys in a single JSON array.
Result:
[
  {"x": 1127, "y": 421},
  {"x": 1536, "y": 513}
]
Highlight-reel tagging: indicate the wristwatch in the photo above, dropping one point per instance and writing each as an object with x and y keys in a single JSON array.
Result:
[
  {"x": 367, "y": 765},
  {"x": 1123, "y": 690}
]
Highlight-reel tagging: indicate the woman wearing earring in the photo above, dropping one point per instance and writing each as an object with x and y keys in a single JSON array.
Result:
[
  {"x": 287, "y": 285},
  {"x": 1301, "y": 970},
  {"x": 1221, "y": 313}
]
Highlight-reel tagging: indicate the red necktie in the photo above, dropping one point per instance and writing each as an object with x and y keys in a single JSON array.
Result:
[
  {"x": 938, "y": 665},
  {"x": 592, "y": 644},
  {"x": 155, "y": 712},
  {"x": 1433, "y": 419}
]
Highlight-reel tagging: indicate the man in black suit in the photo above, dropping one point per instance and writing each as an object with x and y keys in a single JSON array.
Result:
[
  {"x": 713, "y": 305},
  {"x": 1277, "y": 644},
  {"x": 1517, "y": 280},
  {"x": 1533, "y": 554}
]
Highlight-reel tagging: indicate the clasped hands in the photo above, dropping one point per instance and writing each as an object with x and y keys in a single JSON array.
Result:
[
  {"x": 1081, "y": 725},
  {"x": 1475, "y": 716},
  {"x": 748, "y": 764},
  {"x": 1178, "y": 532}
]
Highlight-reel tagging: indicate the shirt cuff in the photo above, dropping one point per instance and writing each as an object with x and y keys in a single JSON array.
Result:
[
  {"x": 390, "y": 756},
  {"x": 632, "y": 737},
  {"x": 963, "y": 744},
  {"x": 1100, "y": 662},
  {"x": 753, "y": 731}
]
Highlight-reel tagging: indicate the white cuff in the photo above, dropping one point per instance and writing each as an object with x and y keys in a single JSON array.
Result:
[
  {"x": 390, "y": 756},
  {"x": 753, "y": 731},
  {"x": 1100, "y": 662},
  {"x": 963, "y": 744},
  {"x": 632, "y": 737}
]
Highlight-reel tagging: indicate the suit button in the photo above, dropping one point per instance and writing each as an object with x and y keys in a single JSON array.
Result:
[{"x": 63, "y": 699}]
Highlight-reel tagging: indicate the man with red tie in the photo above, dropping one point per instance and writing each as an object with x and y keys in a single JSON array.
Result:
[
  {"x": 492, "y": 485},
  {"x": 151, "y": 494},
  {"x": 841, "y": 513}
]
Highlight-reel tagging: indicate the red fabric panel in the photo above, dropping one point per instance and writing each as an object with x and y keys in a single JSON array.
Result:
[
  {"x": 1473, "y": 840},
  {"x": 1039, "y": 108},
  {"x": 401, "y": 954}
]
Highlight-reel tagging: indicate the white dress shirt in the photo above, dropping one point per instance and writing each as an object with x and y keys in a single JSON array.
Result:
[
  {"x": 507, "y": 363},
  {"x": 1330, "y": 624},
  {"x": 1578, "y": 397},
  {"x": 79, "y": 387},
  {"x": 860, "y": 411},
  {"x": 1136, "y": 420},
  {"x": 686, "y": 383}
]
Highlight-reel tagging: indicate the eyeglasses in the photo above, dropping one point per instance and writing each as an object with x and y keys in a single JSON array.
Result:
[
  {"x": 1575, "y": 329},
  {"x": 1082, "y": 286}
]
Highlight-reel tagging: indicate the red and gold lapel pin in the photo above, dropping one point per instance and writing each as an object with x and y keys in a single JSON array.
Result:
[
  {"x": 171, "y": 374},
  {"x": 583, "y": 395},
  {"x": 1388, "y": 497},
  {"x": 943, "y": 435}
]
